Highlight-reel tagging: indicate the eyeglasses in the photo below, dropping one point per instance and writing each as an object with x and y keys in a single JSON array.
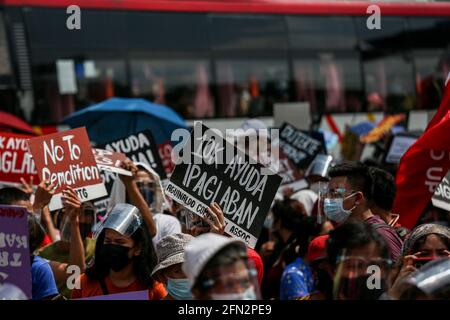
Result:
[{"x": 360, "y": 265}]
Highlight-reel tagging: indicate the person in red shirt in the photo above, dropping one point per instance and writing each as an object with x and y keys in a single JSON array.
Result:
[{"x": 124, "y": 257}]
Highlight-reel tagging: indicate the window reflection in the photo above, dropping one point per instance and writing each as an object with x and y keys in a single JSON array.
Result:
[
  {"x": 329, "y": 83},
  {"x": 181, "y": 84},
  {"x": 250, "y": 88},
  {"x": 389, "y": 84},
  {"x": 432, "y": 68}
]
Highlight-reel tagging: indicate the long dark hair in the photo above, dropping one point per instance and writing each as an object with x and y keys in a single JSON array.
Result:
[{"x": 144, "y": 263}]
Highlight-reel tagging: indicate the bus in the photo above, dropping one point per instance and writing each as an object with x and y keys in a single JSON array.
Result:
[{"x": 222, "y": 60}]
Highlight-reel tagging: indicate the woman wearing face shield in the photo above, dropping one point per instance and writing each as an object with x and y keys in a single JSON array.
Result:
[
  {"x": 425, "y": 243},
  {"x": 124, "y": 257},
  {"x": 218, "y": 269},
  {"x": 431, "y": 282}
]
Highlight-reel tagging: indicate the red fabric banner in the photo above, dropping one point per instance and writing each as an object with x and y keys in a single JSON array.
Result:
[{"x": 423, "y": 166}]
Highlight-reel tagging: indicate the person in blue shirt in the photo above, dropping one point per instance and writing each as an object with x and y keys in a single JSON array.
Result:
[
  {"x": 294, "y": 229},
  {"x": 43, "y": 284}
]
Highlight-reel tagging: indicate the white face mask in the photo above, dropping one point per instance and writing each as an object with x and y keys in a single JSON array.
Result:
[{"x": 248, "y": 294}]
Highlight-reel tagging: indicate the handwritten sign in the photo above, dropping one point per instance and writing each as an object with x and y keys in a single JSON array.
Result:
[
  {"x": 110, "y": 161},
  {"x": 238, "y": 185},
  {"x": 441, "y": 196},
  {"x": 15, "y": 266},
  {"x": 15, "y": 160},
  {"x": 298, "y": 146},
  {"x": 66, "y": 159}
]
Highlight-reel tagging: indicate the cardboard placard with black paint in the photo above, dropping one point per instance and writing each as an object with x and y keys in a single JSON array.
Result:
[
  {"x": 139, "y": 147},
  {"x": 237, "y": 184},
  {"x": 441, "y": 196},
  {"x": 299, "y": 146}
]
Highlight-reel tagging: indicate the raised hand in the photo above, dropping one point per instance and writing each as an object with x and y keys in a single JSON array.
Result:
[
  {"x": 27, "y": 187},
  {"x": 43, "y": 195}
]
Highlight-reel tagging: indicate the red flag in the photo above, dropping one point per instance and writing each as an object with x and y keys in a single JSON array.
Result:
[{"x": 423, "y": 166}]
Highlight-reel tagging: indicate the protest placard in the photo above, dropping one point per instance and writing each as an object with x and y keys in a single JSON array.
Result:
[
  {"x": 110, "y": 161},
  {"x": 165, "y": 153},
  {"x": 242, "y": 188},
  {"x": 399, "y": 145},
  {"x": 298, "y": 146},
  {"x": 133, "y": 295},
  {"x": 66, "y": 159},
  {"x": 441, "y": 196},
  {"x": 15, "y": 266},
  {"x": 15, "y": 160},
  {"x": 139, "y": 147}
]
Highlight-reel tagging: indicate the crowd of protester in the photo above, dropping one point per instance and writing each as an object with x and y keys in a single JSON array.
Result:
[{"x": 345, "y": 244}]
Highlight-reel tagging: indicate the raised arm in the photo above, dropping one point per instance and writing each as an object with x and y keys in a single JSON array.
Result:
[{"x": 135, "y": 196}]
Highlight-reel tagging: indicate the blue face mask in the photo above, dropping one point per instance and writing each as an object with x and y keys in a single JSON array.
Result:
[
  {"x": 334, "y": 209},
  {"x": 179, "y": 289}
]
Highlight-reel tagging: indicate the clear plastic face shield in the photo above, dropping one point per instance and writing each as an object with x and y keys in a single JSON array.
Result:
[
  {"x": 332, "y": 201},
  {"x": 236, "y": 281},
  {"x": 432, "y": 280},
  {"x": 360, "y": 277},
  {"x": 123, "y": 218}
]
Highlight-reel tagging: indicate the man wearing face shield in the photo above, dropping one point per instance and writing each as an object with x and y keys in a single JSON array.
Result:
[
  {"x": 359, "y": 262},
  {"x": 218, "y": 269},
  {"x": 124, "y": 257},
  {"x": 348, "y": 200}
]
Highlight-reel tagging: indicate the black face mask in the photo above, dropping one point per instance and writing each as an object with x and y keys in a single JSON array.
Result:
[
  {"x": 357, "y": 289},
  {"x": 324, "y": 283},
  {"x": 115, "y": 256}
]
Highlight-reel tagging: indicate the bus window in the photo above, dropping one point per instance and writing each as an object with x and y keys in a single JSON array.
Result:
[
  {"x": 183, "y": 85},
  {"x": 389, "y": 83},
  {"x": 96, "y": 80},
  {"x": 321, "y": 32},
  {"x": 391, "y": 35},
  {"x": 247, "y": 32},
  {"x": 432, "y": 59},
  {"x": 330, "y": 83},
  {"x": 249, "y": 88}
]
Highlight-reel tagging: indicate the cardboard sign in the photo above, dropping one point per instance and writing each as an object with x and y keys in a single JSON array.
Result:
[
  {"x": 441, "y": 196},
  {"x": 15, "y": 160},
  {"x": 15, "y": 266},
  {"x": 139, "y": 147},
  {"x": 399, "y": 145},
  {"x": 133, "y": 295},
  {"x": 66, "y": 159},
  {"x": 237, "y": 184},
  {"x": 297, "y": 113},
  {"x": 165, "y": 153},
  {"x": 110, "y": 161},
  {"x": 299, "y": 147}
]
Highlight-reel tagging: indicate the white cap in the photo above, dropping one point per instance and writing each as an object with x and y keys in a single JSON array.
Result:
[{"x": 200, "y": 250}]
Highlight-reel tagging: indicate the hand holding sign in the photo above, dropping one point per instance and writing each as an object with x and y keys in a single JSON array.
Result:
[
  {"x": 72, "y": 203},
  {"x": 216, "y": 213},
  {"x": 129, "y": 165},
  {"x": 43, "y": 195}
]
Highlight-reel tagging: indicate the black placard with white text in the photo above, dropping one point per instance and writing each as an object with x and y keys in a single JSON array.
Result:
[
  {"x": 298, "y": 146},
  {"x": 242, "y": 187}
]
